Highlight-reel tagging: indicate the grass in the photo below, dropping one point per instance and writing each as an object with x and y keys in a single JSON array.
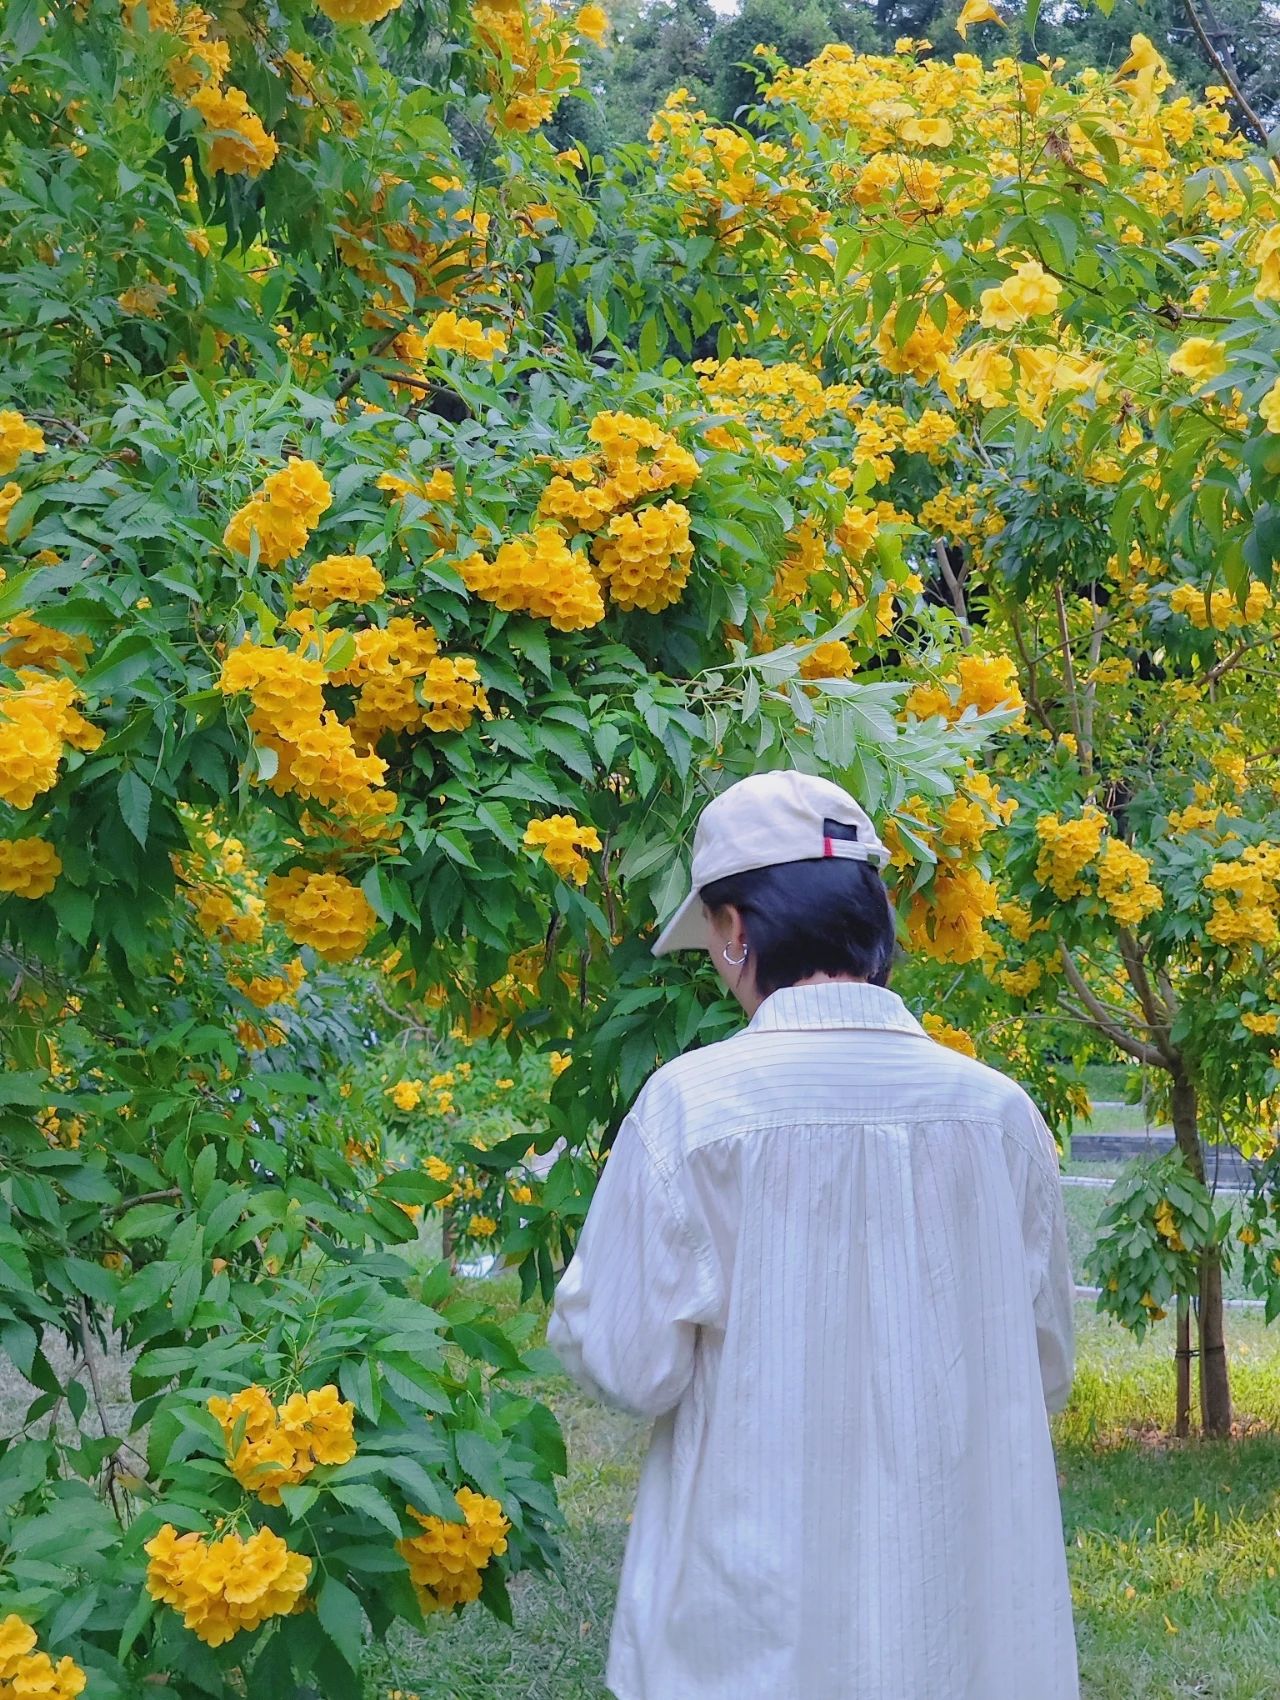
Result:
[{"x": 1174, "y": 1549}]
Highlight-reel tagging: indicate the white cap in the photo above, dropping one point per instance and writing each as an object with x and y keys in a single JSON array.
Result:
[{"x": 758, "y": 823}]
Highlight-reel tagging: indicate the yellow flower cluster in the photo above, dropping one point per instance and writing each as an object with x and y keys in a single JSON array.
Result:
[
  {"x": 1263, "y": 1026},
  {"x": 637, "y": 459},
  {"x": 954, "y": 1038},
  {"x": 1125, "y": 884},
  {"x": 830, "y": 660},
  {"x": 1220, "y": 610},
  {"x": 562, "y": 841},
  {"x": 29, "y": 867},
  {"x": 540, "y": 574},
  {"x": 728, "y": 183},
  {"x": 780, "y": 404},
  {"x": 453, "y": 335},
  {"x": 406, "y": 1094},
  {"x": 1167, "y": 1226},
  {"x": 322, "y": 910},
  {"x": 1246, "y": 896},
  {"x": 405, "y": 684},
  {"x": 1066, "y": 850},
  {"x": 645, "y": 557},
  {"x": 282, "y": 514},
  {"x": 929, "y": 347},
  {"x": 223, "y": 1586},
  {"x": 26, "y": 643},
  {"x": 946, "y": 922},
  {"x": 37, "y": 717},
  {"x": 26, "y": 1674},
  {"x": 1027, "y": 293},
  {"x": 316, "y": 753},
  {"x": 528, "y": 49},
  {"x": 446, "y": 1560},
  {"x": 350, "y": 12},
  {"x": 279, "y": 1446},
  {"x": 17, "y": 438},
  {"x": 341, "y": 578},
  {"x": 482, "y": 1227},
  {"x": 980, "y": 682},
  {"x": 238, "y": 141},
  {"x": 263, "y": 990}
]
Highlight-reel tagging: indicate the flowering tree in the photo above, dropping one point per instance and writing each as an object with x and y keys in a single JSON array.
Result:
[
  {"x": 1051, "y": 307},
  {"x": 385, "y": 587}
]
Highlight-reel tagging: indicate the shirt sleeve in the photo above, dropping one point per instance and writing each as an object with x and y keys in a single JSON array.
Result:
[
  {"x": 1052, "y": 1284},
  {"x": 628, "y": 1306}
]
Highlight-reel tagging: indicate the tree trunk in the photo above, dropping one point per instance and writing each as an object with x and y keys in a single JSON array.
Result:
[
  {"x": 1182, "y": 1419},
  {"x": 1215, "y": 1378},
  {"x": 1215, "y": 1384}
]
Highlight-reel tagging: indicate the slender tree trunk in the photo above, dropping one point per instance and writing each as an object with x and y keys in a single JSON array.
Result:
[
  {"x": 1215, "y": 1383},
  {"x": 1215, "y": 1377},
  {"x": 1182, "y": 1420}
]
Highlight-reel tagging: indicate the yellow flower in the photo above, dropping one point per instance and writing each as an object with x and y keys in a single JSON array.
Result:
[
  {"x": 1125, "y": 885},
  {"x": 357, "y": 11},
  {"x": 593, "y": 23},
  {"x": 1269, "y": 408},
  {"x": 17, "y": 438},
  {"x": 645, "y": 558},
  {"x": 954, "y": 1038},
  {"x": 976, "y": 12},
  {"x": 1066, "y": 850},
  {"x": 562, "y": 841},
  {"x": 1200, "y": 358},
  {"x": 238, "y": 141},
  {"x": 405, "y": 1094},
  {"x": 29, "y": 867},
  {"x": 455, "y": 335},
  {"x": 1028, "y": 293}
]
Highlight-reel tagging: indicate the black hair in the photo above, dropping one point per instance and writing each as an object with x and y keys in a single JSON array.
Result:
[{"x": 829, "y": 915}]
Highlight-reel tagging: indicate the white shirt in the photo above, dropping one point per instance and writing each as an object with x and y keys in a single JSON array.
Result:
[{"x": 829, "y": 1257}]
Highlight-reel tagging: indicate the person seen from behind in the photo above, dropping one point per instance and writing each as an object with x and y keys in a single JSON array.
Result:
[{"x": 827, "y": 1256}]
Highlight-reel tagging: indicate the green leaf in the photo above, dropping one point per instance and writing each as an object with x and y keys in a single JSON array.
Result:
[
  {"x": 342, "y": 1619},
  {"x": 145, "y": 1221},
  {"x": 134, "y": 796}
]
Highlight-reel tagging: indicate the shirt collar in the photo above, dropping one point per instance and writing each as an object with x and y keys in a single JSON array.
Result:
[{"x": 837, "y": 1003}]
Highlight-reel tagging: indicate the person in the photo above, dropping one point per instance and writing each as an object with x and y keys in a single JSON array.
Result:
[{"x": 827, "y": 1256}]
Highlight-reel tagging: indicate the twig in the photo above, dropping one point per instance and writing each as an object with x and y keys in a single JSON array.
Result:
[
  {"x": 146, "y": 1198},
  {"x": 1228, "y": 76},
  {"x": 91, "y": 1364},
  {"x": 1069, "y": 676}
]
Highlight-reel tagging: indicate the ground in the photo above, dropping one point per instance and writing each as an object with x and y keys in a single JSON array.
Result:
[{"x": 1174, "y": 1550}]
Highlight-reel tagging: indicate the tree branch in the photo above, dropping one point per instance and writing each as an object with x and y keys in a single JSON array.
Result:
[
  {"x": 1157, "y": 1016},
  {"x": 1102, "y": 1020},
  {"x": 1228, "y": 76},
  {"x": 954, "y": 588}
]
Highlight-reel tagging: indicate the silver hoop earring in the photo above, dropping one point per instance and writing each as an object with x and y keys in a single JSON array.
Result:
[{"x": 735, "y": 961}]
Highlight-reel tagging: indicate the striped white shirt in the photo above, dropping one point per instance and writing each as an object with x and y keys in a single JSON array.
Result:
[{"x": 828, "y": 1257}]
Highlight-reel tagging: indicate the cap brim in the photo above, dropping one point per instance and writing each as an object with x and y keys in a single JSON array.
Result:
[{"x": 686, "y": 930}]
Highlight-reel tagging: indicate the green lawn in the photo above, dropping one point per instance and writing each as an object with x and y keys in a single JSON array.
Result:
[{"x": 1174, "y": 1550}]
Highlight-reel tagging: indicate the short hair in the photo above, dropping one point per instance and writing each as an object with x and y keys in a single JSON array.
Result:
[{"x": 822, "y": 916}]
